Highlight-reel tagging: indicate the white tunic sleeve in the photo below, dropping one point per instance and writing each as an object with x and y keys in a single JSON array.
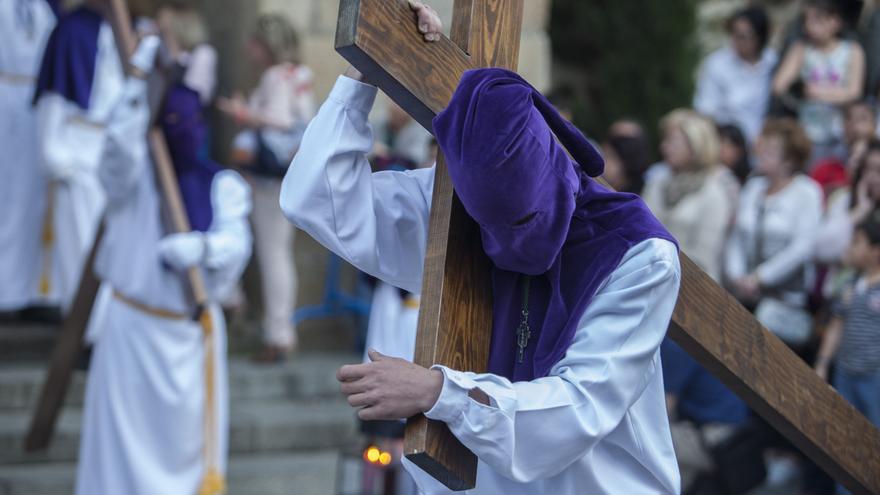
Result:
[
  {"x": 229, "y": 238},
  {"x": 534, "y": 430},
  {"x": 378, "y": 222},
  {"x": 69, "y": 143},
  {"x": 125, "y": 153}
]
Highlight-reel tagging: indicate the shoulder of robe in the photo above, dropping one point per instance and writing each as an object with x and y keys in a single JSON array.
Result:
[
  {"x": 230, "y": 195},
  {"x": 654, "y": 252}
]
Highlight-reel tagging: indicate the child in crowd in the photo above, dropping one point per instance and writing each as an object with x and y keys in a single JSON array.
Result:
[
  {"x": 852, "y": 340},
  {"x": 832, "y": 72},
  {"x": 847, "y": 208}
]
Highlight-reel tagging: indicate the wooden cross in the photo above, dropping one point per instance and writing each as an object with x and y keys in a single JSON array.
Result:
[
  {"x": 378, "y": 37},
  {"x": 69, "y": 341}
]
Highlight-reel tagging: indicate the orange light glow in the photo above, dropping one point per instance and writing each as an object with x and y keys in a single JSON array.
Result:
[
  {"x": 372, "y": 454},
  {"x": 385, "y": 459}
]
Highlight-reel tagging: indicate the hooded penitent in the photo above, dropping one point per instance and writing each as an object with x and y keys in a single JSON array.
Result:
[
  {"x": 187, "y": 133},
  {"x": 68, "y": 66},
  {"x": 553, "y": 233}
]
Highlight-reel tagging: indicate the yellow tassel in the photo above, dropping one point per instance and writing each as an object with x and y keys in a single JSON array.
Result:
[
  {"x": 44, "y": 284},
  {"x": 212, "y": 483},
  {"x": 48, "y": 238},
  {"x": 205, "y": 321}
]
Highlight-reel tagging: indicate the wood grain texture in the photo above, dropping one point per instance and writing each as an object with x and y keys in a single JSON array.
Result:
[
  {"x": 377, "y": 37},
  {"x": 726, "y": 339}
]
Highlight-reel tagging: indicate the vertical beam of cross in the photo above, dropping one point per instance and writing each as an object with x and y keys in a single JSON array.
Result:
[{"x": 455, "y": 319}]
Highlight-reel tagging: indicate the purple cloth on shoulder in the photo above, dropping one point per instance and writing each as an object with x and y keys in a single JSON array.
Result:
[
  {"x": 540, "y": 213},
  {"x": 186, "y": 133},
  {"x": 68, "y": 67}
]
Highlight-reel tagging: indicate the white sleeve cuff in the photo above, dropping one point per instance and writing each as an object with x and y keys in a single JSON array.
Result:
[
  {"x": 453, "y": 400},
  {"x": 354, "y": 94}
]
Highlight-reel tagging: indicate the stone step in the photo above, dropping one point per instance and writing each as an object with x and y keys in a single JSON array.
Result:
[
  {"x": 313, "y": 473},
  {"x": 255, "y": 426},
  {"x": 26, "y": 341},
  {"x": 304, "y": 376}
]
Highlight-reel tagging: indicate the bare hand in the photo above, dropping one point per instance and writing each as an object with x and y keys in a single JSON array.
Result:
[
  {"x": 821, "y": 369},
  {"x": 864, "y": 203},
  {"x": 236, "y": 107},
  {"x": 389, "y": 388},
  {"x": 428, "y": 20},
  {"x": 748, "y": 287}
]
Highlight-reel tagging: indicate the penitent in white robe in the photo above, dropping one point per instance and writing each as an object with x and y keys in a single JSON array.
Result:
[
  {"x": 144, "y": 417},
  {"x": 597, "y": 424},
  {"x": 391, "y": 329},
  {"x": 71, "y": 141},
  {"x": 22, "y": 187}
]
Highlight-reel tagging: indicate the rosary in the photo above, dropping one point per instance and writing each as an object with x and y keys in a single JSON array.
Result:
[{"x": 523, "y": 332}]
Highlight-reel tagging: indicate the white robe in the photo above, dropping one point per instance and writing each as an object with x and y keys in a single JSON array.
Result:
[
  {"x": 391, "y": 329},
  {"x": 143, "y": 423},
  {"x": 71, "y": 141},
  {"x": 23, "y": 187},
  {"x": 597, "y": 424}
]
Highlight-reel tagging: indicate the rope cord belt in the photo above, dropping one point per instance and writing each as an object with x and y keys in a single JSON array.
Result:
[
  {"x": 213, "y": 482},
  {"x": 17, "y": 79},
  {"x": 150, "y": 310}
]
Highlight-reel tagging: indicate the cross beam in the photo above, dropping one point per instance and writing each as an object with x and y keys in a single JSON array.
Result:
[{"x": 378, "y": 37}]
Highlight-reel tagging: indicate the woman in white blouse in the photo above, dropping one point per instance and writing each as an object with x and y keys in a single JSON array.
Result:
[
  {"x": 769, "y": 253},
  {"x": 693, "y": 196},
  {"x": 734, "y": 82},
  {"x": 274, "y": 119}
]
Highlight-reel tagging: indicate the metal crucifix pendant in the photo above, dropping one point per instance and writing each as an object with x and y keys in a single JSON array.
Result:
[{"x": 522, "y": 335}]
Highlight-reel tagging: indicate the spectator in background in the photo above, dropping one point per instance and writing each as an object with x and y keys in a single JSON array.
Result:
[
  {"x": 734, "y": 82},
  {"x": 831, "y": 70},
  {"x": 627, "y": 154},
  {"x": 703, "y": 412},
  {"x": 186, "y": 36},
  {"x": 852, "y": 340},
  {"x": 846, "y": 208},
  {"x": 769, "y": 253},
  {"x": 401, "y": 142},
  {"x": 692, "y": 199},
  {"x": 274, "y": 118},
  {"x": 859, "y": 127},
  {"x": 734, "y": 152}
]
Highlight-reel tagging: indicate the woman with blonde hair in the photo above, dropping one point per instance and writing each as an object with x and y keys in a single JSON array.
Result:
[
  {"x": 695, "y": 198},
  {"x": 273, "y": 120}
]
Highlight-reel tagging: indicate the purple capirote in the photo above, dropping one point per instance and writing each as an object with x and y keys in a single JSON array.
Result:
[
  {"x": 186, "y": 132},
  {"x": 540, "y": 213}
]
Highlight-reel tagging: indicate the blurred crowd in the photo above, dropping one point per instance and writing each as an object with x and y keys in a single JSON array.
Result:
[{"x": 771, "y": 184}]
